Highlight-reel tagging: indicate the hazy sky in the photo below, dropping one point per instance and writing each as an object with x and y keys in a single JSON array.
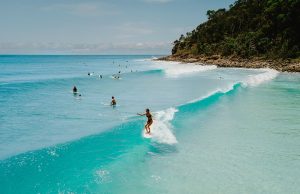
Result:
[{"x": 98, "y": 26}]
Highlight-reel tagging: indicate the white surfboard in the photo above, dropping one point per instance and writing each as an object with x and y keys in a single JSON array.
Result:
[{"x": 147, "y": 135}]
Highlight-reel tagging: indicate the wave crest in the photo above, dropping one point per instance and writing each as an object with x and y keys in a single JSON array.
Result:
[
  {"x": 175, "y": 69},
  {"x": 162, "y": 128},
  {"x": 254, "y": 80}
]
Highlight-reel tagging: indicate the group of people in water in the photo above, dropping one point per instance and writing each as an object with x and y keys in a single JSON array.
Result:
[
  {"x": 117, "y": 76},
  {"x": 113, "y": 103}
]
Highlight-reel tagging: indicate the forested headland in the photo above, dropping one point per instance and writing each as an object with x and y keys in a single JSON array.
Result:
[{"x": 251, "y": 33}]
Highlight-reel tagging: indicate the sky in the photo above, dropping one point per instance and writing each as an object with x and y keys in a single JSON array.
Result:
[{"x": 98, "y": 26}]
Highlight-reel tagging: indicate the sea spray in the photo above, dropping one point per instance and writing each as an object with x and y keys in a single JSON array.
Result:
[
  {"x": 254, "y": 80},
  {"x": 161, "y": 129}
]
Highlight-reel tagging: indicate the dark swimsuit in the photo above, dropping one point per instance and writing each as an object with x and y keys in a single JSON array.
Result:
[{"x": 149, "y": 116}]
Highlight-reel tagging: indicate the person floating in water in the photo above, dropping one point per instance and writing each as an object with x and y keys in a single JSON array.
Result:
[
  {"x": 74, "y": 90},
  {"x": 116, "y": 76},
  {"x": 113, "y": 101},
  {"x": 89, "y": 74},
  {"x": 149, "y": 121}
]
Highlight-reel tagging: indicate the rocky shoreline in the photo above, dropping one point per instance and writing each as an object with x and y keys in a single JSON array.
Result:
[{"x": 280, "y": 65}]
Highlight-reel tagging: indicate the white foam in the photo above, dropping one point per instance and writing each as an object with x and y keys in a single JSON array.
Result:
[
  {"x": 146, "y": 59},
  {"x": 102, "y": 176},
  {"x": 161, "y": 128},
  {"x": 254, "y": 80},
  {"x": 176, "y": 69},
  {"x": 143, "y": 60}
]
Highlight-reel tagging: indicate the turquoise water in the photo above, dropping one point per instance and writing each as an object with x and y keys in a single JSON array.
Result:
[{"x": 215, "y": 130}]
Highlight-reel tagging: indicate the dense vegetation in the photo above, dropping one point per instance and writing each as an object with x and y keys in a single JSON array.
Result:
[{"x": 250, "y": 28}]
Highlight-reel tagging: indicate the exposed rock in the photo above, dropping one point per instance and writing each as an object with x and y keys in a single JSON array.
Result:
[{"x": 280, "y": 65}]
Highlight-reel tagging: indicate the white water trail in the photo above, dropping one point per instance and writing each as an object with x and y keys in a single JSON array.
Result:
[{"x": 161, "y": 128}]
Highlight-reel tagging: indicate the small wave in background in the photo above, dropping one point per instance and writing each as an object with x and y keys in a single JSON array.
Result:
[{"x": 176, "y": 69}]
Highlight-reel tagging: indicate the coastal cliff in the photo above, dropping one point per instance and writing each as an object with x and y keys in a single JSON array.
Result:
[{"x": 251, "y": 34}]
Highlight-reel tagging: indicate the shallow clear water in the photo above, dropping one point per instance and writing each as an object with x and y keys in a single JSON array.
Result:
[{"x": 215, "y": 130}]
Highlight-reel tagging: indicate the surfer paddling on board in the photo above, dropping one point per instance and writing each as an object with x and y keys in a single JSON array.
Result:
[
  {"x": 149, "y": 121},
  {"x": 113, "y": 101}
]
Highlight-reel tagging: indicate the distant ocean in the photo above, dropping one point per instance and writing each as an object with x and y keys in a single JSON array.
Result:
[{"x": 215, "y": 130}]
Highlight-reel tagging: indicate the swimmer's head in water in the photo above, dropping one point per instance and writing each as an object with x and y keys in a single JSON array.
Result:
[
  {"x": 112, "y": 97},
  {"x": 147, "y": 110}
]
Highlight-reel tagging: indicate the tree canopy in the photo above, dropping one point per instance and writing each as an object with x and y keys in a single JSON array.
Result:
[{"x": 249, "y": 28}]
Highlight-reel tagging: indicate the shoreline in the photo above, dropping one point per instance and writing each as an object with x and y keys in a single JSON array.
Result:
[{"x": 257, "y": 63}]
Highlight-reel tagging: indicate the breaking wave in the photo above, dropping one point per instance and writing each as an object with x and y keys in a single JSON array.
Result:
[
  {"x": 254, "y": 80},
  {"x": 162, "y": 128},
  {"x": 176, "y": 69}
]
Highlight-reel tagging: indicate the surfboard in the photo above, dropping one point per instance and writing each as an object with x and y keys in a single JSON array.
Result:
[{"x": 147, "y": 135}]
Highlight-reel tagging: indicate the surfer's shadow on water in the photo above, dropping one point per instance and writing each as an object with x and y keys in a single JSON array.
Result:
[{"x": 161, "y": 149}]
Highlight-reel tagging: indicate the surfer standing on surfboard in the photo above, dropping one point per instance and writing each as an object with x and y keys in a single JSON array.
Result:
[{"x": 149, "y": 122}]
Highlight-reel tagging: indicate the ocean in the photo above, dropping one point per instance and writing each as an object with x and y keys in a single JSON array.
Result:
[{"x": 215, "y": 130}]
